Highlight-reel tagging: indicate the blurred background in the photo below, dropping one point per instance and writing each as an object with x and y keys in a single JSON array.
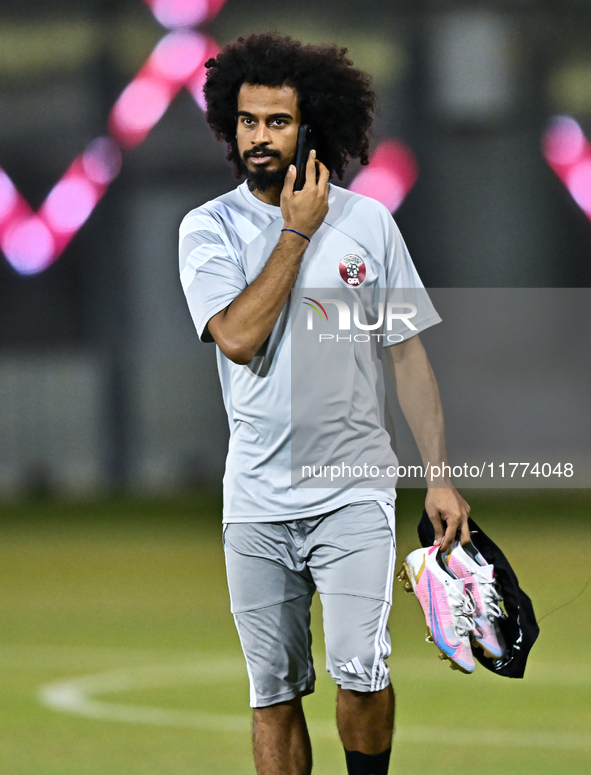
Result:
[
  {"x": 104, "y": 386},
  {"x": 112, "y": 429}
]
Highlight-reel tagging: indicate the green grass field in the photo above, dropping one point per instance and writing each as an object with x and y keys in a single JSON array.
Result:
[{"x": 118, "y": 654}]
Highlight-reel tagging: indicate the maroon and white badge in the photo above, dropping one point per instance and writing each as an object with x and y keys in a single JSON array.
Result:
[{"x": 352, "y": 269}]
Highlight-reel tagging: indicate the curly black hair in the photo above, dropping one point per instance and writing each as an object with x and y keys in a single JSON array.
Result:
[{"x": 332, "y": 94}]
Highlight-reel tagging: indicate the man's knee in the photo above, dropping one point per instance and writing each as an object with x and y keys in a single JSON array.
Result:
[
  {"x": 358, "y": 694},
  {"x": 281, "y": 705},
  {"x": 284, "y": 709},
  {"x": 366, "y": 697}
]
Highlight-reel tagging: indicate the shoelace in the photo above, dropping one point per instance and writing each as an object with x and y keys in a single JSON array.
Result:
[
  {"x": 463, "y": 608},
  {"x": 492, "y": 598}
]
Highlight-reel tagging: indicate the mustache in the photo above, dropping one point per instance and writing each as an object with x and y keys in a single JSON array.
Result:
[{"x": 263, "y": 150}]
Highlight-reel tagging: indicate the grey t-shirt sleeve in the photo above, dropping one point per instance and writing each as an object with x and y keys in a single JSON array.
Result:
[
  {"x": 211, "y": 274},
  {"x": 413, "y": 311}
]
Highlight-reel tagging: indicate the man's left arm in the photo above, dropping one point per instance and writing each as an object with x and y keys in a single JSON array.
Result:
[{"x": 418, "y": 395}]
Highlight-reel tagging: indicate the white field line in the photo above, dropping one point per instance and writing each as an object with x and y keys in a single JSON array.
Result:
[
  {"x": 79, "y": 696},
  {"x": 414, "y": 668}
]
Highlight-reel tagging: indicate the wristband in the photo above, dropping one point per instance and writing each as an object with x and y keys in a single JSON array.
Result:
[{"x": 297, "y": 232}]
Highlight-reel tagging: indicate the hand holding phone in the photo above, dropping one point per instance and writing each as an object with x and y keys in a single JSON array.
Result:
[
  {"x": 304, "y": 209},
  {"x": 307, "y": 140}
]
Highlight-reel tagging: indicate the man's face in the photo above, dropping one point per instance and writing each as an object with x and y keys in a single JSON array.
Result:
[{"x": 267, "y": 132}]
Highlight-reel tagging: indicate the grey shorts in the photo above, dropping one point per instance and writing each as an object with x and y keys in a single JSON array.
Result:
[{"x": 274, "y": 569}]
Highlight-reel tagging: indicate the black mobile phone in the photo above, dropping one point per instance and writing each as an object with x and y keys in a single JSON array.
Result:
[{"x": 307, "y": 140}]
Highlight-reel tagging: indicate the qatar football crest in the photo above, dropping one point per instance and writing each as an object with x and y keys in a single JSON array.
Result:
[{"x": 352, "y": 269}]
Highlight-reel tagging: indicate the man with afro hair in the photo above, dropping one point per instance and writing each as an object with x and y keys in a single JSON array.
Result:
[{"x": 241, "y": 256}]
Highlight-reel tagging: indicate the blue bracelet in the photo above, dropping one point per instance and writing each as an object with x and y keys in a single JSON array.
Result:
[{"x": 297, "y": 232}]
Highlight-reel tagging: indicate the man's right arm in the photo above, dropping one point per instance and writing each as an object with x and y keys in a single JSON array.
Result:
[{"x": 241, "y": 328}]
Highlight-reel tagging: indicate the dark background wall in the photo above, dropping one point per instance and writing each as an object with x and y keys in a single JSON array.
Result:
[{"x": 103, "y": 384}]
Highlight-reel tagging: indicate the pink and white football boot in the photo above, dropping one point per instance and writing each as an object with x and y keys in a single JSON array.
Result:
[
  {"x": 467, "y": 563},
  {"x": 447, "y": 608}
]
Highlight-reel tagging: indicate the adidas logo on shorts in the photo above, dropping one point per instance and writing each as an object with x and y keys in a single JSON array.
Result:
[{"x": 354, "y": 667}]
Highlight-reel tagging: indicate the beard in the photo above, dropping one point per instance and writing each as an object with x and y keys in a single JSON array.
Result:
[{"x": 261, "y": 179}]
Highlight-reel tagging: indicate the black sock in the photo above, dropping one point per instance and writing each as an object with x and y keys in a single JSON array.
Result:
[{"x": 367, "y": 763}]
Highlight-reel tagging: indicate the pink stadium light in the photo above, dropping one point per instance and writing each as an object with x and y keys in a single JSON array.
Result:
[
  {"x": 74, "y": 197},
  {"x": 142, "y": 104},
  {"x": 568, "y": 152},
  {"x": 173, "y": 14},
  {"x": 177, "y": 61},
  {"x": 32, "y": 241},
  {"x": 69, "y": 204},
  {"x": 29, "y": 245},
  {"x": 178, "y": 14},
  {"x": 389, "y": 176},
  {"x": 8, "y": 197}
]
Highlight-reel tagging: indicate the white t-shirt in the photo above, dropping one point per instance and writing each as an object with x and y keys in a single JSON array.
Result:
[{"x": 224, "y": 245}]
